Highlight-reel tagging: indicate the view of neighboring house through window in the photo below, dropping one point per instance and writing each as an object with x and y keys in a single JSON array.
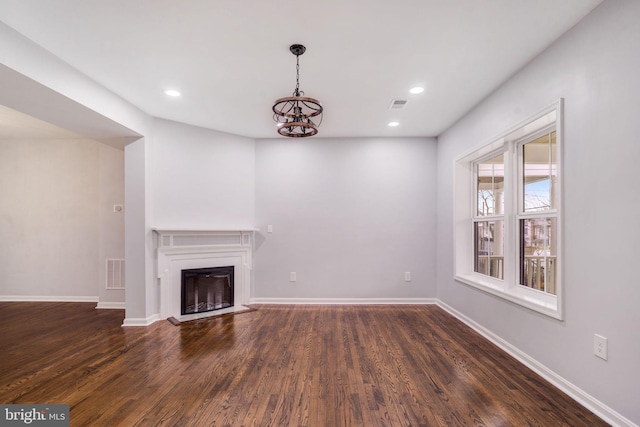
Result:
[
  {"x": 508, "y": 215},
  {"x": 489, "y": 221},
  {"x": 538, "y": 211}
]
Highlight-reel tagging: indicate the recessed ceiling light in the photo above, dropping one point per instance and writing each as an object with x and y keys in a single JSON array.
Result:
[
  {"x": 172, "y": 92},
  {"x": 393, "y": 124},
  {"x": 416, "y": 90}
]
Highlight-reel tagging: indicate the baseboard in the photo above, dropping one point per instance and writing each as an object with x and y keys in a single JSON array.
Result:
[
  {"x": 46, "y": 298},
  {"x": 594, "y": 405},
  {"x": 111, "y": 306},
  {"x": 344, "y": 301},
  {"x": 140, "y": 321}
]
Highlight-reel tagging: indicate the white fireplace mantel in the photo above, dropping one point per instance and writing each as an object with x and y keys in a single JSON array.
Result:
[{"x": 183, "y": 249}]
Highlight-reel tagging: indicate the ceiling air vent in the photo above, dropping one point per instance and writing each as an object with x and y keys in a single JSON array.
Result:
[{"x": 397, "y": 104}]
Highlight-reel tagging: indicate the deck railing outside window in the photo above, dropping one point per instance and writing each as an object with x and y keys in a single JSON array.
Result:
[{"x": 538, "y": 272}]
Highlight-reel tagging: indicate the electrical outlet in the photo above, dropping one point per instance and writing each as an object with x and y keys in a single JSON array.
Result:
[
  {"x": 269, "y": 228},
  {"x": 600, "y": 347},
  {"x": 293, "y": 276},
  {"x": 407, "y": 276}
]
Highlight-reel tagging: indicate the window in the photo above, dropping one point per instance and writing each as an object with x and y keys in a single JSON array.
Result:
[
  {"x": 537, "y": 214},
  {"x": 488, "y": 222},
  {"x": 508, "y": 214}
]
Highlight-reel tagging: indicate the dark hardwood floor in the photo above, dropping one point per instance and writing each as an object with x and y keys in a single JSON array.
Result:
[{"x": 278, "y": 365}]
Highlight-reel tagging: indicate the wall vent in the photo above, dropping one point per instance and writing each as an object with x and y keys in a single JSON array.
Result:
[
  {"x": 115, "y": 273},
  {"x": 398, "y": 104}
]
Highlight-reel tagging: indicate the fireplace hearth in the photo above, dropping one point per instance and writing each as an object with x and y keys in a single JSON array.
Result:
[{"x": 207, "y": 289}]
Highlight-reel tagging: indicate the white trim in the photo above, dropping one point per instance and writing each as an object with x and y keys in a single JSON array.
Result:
[
  {"x": 111, "y": 306},
  {"x": 141, "y": 321},
  {"x": 465, "y": 214},
  {"x": 172, "y": 261},
  {"x": 47, "y": 298},
  {"x": 577, "y": 394},
  {"x": 179, "y": 250},
  {"x": 525, "y": 297},
  {"x": 344, "y": 301},
  {"x": 199, "y": 230}
]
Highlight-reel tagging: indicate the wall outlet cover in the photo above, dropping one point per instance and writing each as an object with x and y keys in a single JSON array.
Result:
[{"x": 600, "y": 347}]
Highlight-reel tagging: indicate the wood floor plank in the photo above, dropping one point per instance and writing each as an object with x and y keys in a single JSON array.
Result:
[{"x": 275, "y": 366}]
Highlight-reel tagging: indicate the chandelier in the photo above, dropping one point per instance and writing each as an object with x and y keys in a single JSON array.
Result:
[{"x": 293, "y": 113}]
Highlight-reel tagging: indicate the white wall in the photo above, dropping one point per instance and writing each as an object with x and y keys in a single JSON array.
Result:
[
  {"x": 349, "y": 216},
  {"x": 201, "y": 178},
  {"x": 141, "y": 288},
  {"x": 595, "y": 68},
  {"x": 54, "y": 231},
  {"x": 181, "y": 176}
]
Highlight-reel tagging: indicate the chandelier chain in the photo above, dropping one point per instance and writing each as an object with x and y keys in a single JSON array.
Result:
[{"x": 297, "y": 92}]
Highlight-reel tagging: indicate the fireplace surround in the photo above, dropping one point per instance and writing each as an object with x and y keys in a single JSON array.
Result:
[{"x": 182, "y": 249}]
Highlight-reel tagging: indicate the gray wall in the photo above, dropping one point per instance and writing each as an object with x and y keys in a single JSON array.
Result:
[
  {"x": 595, "y": 68},
  {"x": 201, "y": 178},
  {"x": 349, "y": 216},
  {"x": 181, "y": 177},
  {"x": 111, "y": 224},
  {"x": 57, "y": 224},
  {"x": 141, "y": 292}
]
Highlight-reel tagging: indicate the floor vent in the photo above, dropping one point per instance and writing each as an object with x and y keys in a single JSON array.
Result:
[
  {"x": 398, "y": 104},
  {"x": 115, "y": 273}
]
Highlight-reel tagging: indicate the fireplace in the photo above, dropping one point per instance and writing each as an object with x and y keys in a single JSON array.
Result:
[
  {"x": 180, "y": 250},
  {"x": 206, "y": 289}
]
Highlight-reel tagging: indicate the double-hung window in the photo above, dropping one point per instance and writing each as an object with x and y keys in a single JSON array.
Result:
[{"x": 508, "y": 214}]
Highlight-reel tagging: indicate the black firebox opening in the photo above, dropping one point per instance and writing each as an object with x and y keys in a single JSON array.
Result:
[{"x": 206, "y": 289}]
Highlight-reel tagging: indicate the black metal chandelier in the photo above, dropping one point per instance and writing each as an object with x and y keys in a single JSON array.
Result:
[{"x": 293, "y": 113}]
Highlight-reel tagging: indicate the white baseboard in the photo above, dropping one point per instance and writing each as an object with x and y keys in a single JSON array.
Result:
[
  {"x": 594, "y": 405},
  {"x": 46, "y": 298},
  {"x": 141, "y": 321},
  {"x": 344, "y": 301},
  {"x": 111, "y": 306}
]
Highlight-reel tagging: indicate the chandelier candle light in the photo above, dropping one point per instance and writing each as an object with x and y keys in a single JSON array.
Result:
[{"x": 293, "y": 114}]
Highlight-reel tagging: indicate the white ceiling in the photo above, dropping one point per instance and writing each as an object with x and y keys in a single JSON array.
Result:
[{"x": 231, "y": 60}]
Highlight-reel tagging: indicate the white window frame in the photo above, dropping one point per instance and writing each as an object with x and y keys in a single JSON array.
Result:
[
  {"x": 475, "y": 217},
  {"x": 465, "y": 214}
]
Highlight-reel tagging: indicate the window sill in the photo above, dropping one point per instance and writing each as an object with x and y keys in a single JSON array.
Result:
[{"x": 534, "y": 300}]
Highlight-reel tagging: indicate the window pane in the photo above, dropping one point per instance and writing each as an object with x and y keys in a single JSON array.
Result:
[
  {"x": 538, "y": 254},
  {"x": 489, "y": 248},
  {"x": 490, "y": 186},
  {"x": 540, "y": 171}
]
